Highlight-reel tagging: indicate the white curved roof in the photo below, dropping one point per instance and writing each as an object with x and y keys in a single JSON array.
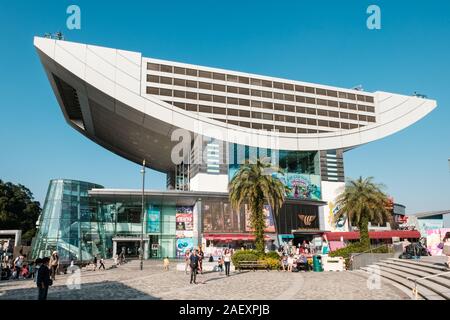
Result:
[{"x": 116, "y": 80}]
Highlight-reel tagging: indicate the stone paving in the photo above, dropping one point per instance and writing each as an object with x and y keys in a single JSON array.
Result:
[{"x": 128, "y": 282}]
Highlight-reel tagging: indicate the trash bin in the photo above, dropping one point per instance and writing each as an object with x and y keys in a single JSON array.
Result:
[{"x": 317, "y": 263}]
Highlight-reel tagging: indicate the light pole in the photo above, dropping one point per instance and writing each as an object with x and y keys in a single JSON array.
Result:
[{"x": 142, "y": 216}]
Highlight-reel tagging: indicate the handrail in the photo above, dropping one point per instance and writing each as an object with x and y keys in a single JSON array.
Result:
[
  {"x": 417, "y": 279},
  {"x": 371, "y": 249}
]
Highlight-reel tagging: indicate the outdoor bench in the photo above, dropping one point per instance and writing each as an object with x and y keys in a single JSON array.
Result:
[{"x": 252, "y": 265}]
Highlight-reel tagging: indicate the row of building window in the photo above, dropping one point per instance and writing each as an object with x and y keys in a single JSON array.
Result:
[
  {"x": 243, "y": 91},
  {"x": 261, "y": 104},
  {"x": 284, "y": 129},
  {"x": 272, "y": 117},
  {"x": 255, "y": 82}
]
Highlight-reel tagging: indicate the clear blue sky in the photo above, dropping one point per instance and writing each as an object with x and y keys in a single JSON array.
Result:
[{"x": 318, "y": 41}]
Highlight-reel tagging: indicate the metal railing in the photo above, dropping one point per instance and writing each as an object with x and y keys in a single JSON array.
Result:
[
  {"x": 415, "y": 291},
  {"x": 388, "y": 245}
]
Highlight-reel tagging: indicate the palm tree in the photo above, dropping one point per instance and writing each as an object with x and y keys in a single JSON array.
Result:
[
  {"x": 255, "y": 185},
  {"x": 362, "y": 202}
]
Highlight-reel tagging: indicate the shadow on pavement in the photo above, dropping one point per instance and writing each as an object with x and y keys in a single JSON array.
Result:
[{"x": 108, "y": 290}]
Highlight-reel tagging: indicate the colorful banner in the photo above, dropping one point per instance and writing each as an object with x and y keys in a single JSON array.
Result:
[
  {"x": 268, "y": 217},
  {"x": 303, "y": 186},
  {"x": 153, "y": 220},
  {"x": 434, "y": 238},
  {"x": 184, "y": 244},
  {"x": 184, "y": 219}
]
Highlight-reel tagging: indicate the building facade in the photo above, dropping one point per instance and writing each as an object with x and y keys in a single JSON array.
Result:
[{"x": 198, "y": 124}]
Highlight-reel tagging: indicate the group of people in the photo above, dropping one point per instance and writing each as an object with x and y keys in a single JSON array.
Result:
[
  {"x": 194, "y": 261},
  {"x": 296, "y": 258}
]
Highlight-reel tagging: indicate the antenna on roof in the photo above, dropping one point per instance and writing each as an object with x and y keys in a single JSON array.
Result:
[
  {"x": 57, "y": 36},
  {"x": 358, "y": 88}
]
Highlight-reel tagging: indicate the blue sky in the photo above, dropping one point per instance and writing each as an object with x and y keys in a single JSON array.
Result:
[{"x": 317, "y": 41}]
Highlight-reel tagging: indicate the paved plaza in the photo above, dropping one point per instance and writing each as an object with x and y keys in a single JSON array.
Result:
[{"x": 128, "y": 282}]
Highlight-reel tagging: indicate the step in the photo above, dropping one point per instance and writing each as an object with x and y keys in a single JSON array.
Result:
[
  {"x": 437, "y": 288},
  {"x": 441, "y": 268},
  {"x": 406, "y": 290},
  {"x": 423, "y": 291},
  {"x": 427, "y": 269},
  {"x": 414, "y": 273}
]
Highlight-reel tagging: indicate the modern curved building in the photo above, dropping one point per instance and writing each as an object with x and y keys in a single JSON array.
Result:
[{"x": 144, "y": 108}]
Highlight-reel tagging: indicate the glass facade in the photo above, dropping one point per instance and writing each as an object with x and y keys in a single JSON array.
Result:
[
  {"x": 69, "y": 223},
  {"x": 301, "y": 169}
]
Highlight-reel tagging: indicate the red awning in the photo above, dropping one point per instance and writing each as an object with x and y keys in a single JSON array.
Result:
[
  {"x": 232, "y": 236},
  {"x": 354, "y": 235}
]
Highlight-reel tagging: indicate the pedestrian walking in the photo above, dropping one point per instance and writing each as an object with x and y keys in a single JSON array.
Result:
[
  {"x": 227, "y": 262},
  {"x": 18, "y": 262},
  {"x": 193, "y": 264},
  {"x": 290, "y": 261},
  {"x": 43, "y": 280},
  {"x": 201, "y": 255},
  {"x": 187, "y": 255},
  {"x": 102, "y": 264},
  {"x": 95, "y": 263},
  {"x": 446, "y": 248},
  {"x": 54, "y": 264},
  {"x": 166, "y": 263}
]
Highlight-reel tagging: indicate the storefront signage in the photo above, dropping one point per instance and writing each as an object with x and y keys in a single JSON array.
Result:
[
  {"x": 153, "y": 220},
  {"x": 184, "y": 222},
  {"x": 307, "y": 221},
  {"x": 268, "y": 216}
]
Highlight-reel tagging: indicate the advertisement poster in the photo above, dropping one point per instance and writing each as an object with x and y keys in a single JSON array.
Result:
[
  {"x": 270, "y": 224},
  {"x": 303, "y": 186},
  {"x": 434, "y": 238},
  {"x": 184, "y": 222},
  {"x": 184, "y": 244},
  {"x": 153, "y": 220}
]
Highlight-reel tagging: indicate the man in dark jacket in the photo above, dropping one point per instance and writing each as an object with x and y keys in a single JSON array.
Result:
[
  {"x": 43, "y": 280},
  {"x": 193, "y": 263}
]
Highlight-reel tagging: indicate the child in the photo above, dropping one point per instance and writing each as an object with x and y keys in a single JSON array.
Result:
[
  {"x": 220, "y": 265},
  {"x": 166, "y": 263}
]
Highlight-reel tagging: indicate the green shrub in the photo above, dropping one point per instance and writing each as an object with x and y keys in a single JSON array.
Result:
[
  {"x": 272, "y": 263},
  {"x": 273, "y": 255},
  {"x": 244, "y": 255}
]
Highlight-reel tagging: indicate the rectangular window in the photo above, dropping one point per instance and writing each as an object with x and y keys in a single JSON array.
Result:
[
  {"x": 232, "y": 112},
  {"x": 191, "y": 72},
  {"x": 333, "y": 114},
  {"x": 217, "y": 110},
  {"x": 299, "y": 88},
  {"x": 312, "y": 122},
  {"x": 256, "y": 93},
  {"x": 219, "y": 87},
  {"x": 219, "y": 99},
  {"x": 302, "y": 130},
  {"x": 268, "y": 127},
  {"x": 301, "y": 120},
  {"x": 244, "y": 80},
  {"x": 232, "y": 89},
  {"x": 267, "y": 94},
  {"x": 205, "y": 109},
  {"x": 219, "y": 76},
  {"x": 244, "y": 124},
  {"x": 267, "y": 105},
  {"x": 351, "y": 96},
  {"x": 165, "y": 92},
  {"x": 279, "y": 117},
  {"x": 257, "y": 126},
  {"x": 232, "y": 101},
  {"x": 233, "y": 122},
  {"x": 278, "y": 96},
  {"x": 300, "y": 109},
  {"x": 309, "y": 90},
  {"x": 244, "y": 102},
  {"x": 322, "y": 102},
  {"x": 151, "y": 90},
  {"x": 151, "y": 78},
  {"x": 179, "y": 82},
  {"x": 353, "y": 116},
  {"x": 345, "y": 126},
  {"x": 256, "y": 104},
  {"x": 267, "y": 83},
  {"x": 256, "y": 82},
  {"x": 369, "y": 99},
  {"x": 300, "y": 99},
  {"x": 361, "y": 108},
  {"x": 278, "y": 106},
  {"x": 290, "y": 119},
  {"x": 244, "y": 113},
  {"x": 289, "y": 108},
  {"x": 352, "y": 106},
  {"x": 191, "y": 84},
  {"x": 205, "y": 74},
  {"x": 289, "y": 97},
  {"x": 256, "y": 115},
  {"x": 244, "y": 91},
  {"x": 277, "y": 85},
  {"x": 332, "y": 103},
  {"x": 291, "y": 130},
  {"x": 179, "y": 94},
  {"x": 205, "y": 97},
  {"x": 191, "y": 107},
  {"x": 191, "y": 95},
  {"x": 310, "y": 111},
  {"x": 166, "y": 68},
  {"x": 322, "y": 123},
  {"x": 310, "y": 100},
  {"x": 370, "y": 109},
  {"x": 322, "y": 92},
  {"x": 280, "y": 128},
  {"x": 370, "y": 119},
  {"x": 334, "y": 124},
  {"x": 321, "y": 112},
  {"x": 332, "y": 93},
  {"x": 267, "y": 116},
  {"x": 166, "y": 80},
  {"x": 288, "y": 86},
  {"x": 344, "y": 115},
  {"x": 362, "y": 117},
  {"x": 153, "y": 66},
  {"x": 342, "y": 95},
  {"x": 232, "y": 78},
  {"x": 179, "y": 70},
  {"x": 205, "y": 86},
  {"x": 343, "y": 105},
  {"x": 360, "y": 97}
]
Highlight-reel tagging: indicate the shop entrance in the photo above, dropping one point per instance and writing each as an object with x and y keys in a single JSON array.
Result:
[{"x": 130, "y": 248}]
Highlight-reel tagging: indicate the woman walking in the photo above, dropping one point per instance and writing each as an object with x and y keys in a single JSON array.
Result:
[
  {"x": 227, "y": 261},
  {"x": 54, "y": 264},
  {"x": 446, "y": 248}
]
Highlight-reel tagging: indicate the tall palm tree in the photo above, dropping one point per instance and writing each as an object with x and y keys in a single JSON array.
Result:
[
  {"x": 362, "y": 202},
  {"x": 255, "y": 185}
]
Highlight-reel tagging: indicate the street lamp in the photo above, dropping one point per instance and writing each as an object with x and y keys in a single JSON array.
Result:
[{"x": 142, "y": 216}]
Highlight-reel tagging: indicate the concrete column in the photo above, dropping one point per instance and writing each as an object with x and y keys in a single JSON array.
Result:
[
  {"x": 146, "y": 247},
  {"x": 114, "y": 248}
]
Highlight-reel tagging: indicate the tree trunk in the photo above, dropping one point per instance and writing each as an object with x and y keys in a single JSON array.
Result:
[
  {"x": 258, "y": 225},
  {"x": 364, "y": 231}
]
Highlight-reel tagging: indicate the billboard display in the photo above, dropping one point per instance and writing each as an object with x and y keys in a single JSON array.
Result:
[
  {"x": 184, "y": 218},
  {"x": 268, "y": 216},
  {"x": 153, "y": 220}
]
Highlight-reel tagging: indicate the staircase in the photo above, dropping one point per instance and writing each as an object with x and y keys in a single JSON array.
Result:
[{"x": 433, "y": 279}]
